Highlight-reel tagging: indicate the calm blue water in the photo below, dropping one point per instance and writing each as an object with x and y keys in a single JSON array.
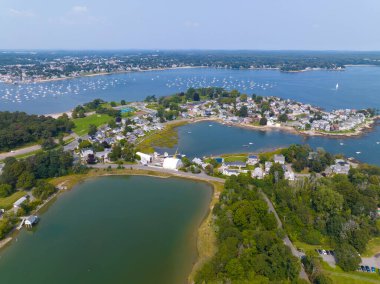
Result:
[
  {"x": 359, "y": 87},
  {"x": 205, "y": 140}
]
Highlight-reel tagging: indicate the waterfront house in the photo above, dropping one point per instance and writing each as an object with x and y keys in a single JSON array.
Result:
[
  {"x": 31, "y": 220},
  {"x": 279, "y": 159},
  {"x": 144, "y": 158},
  {"x": 252, "y": 160},
  {"x": 235, "y": 164}
]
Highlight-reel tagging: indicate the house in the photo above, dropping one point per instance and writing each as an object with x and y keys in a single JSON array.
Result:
[
  {"x": 31, "y": 220},
  {"x": 340, "y": 167},
  {"x": 289, "y": 175},
  {"x": 258, "y": 173},
  {"x": 280, "y": 159},
  {"x": 20, "y": 201},
  {"x": 145, "y": 158},
  {"x": 197, "y": 161},
  {"x": 229, "y": 172},
  {"x": 172, "y": 163},
  {"x": 252, "y": 160},
  {"x": 235, "y": 164},
  {"x": 85, "y": 152},
  {"x": 268, "y": 165}
]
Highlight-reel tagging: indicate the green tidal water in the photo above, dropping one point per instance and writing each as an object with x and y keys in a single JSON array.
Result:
[{"x": 112, "y": 230}]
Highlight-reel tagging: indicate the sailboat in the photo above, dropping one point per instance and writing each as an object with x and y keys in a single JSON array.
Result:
[{"x": 337, "y": 86}]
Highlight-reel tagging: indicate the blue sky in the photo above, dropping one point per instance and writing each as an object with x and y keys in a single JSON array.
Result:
[{"x": 195, "y": 24}]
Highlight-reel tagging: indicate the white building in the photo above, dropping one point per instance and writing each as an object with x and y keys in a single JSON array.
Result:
[
  {"x": 279, "y": 159},
  {"x": 172, "y": 164},
  {"x": 258, "y": 173},
  {"x": 145, "y": 158},
  {"x": 252, "y": 160},
  {"x": 18, "y": 203}
]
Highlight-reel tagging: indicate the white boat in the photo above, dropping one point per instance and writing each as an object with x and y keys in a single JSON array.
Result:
[
  {"x": 358, "y": 152},
  {"x": 341, "y": 144},
  {"x": 250, "y": 143},
  {"x": 337, "y": 86}
]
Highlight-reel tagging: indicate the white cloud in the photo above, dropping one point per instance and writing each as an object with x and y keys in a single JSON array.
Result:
[
  {"x": 79, "y": 9},
  {"x": 192, "y": 24},
  {"x": 21, "y": 13}
]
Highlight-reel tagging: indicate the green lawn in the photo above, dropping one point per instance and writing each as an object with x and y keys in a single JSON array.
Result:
[
  {"x": 235, "y": 157},
  {"x": 7, "y": 202},
  {"x": 339, "y": 276},
  {"x": 373, "y": 247},
  {"x": 82, "y": 124}
]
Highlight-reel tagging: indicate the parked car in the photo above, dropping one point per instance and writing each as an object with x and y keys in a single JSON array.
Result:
[
  {"x": 373, "y": 269},
  {"x": 363, "y": 268},
  {"x": 367, "y": 268}
]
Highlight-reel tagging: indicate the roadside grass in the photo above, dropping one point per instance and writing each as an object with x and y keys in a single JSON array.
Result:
[
  {"x": 82, "y": 124},
  {"x": 311, "y": 248},
  {"x": 7, "y": 202},
  {"x": 168, "y": 138},
  {"x": 373, "y": 247},
  {"x": 340, "y": 276},
  {"x": 206, "y": 241}
]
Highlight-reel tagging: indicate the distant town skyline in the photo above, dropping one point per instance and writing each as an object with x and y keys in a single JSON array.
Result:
[{"x": 199, "y": 24}]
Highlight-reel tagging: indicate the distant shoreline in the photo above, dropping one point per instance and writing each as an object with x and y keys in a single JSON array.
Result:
[{"x": 367, "y": 126}]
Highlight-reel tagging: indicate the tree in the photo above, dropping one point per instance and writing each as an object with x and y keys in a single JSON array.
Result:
[
  {"x": 196, "y": 97},
  {"x": 283, "y": 117},
  {"x": 43, "y": 190},
  {"x": 5, "y": 190},
  {"x": 26, "y": 180},
  {"x": 243, "y": 111},
  {"x": 123, "y": 103},
  {"x": 113, "y": 104},
  {"x": 115, "y": 153},
  {"x": 263, "y": 121},
  {"x": 85, "y": 144},
  {"x": 327, "y": 200},
  {"x": 234, "y": 269},
  {"x": 48, "y": 144},
  {"x": 92, "y": 129},
  {"x": 347, "y": 257}
]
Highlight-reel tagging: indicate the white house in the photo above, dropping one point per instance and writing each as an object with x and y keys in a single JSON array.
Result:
[
  {"x": 172, "y": 164},
  {"x": 279, "y": 159},
  {"x": 228, "y": 172},
  {"x": 289, "y": 175},
  {"x": 145, "y": 158},
  {"x": 31, "y": 220},
  {"x": 252, "y": 160},
  {"x": 268, "y": 165},
  {"x": 258, "y": 173}
]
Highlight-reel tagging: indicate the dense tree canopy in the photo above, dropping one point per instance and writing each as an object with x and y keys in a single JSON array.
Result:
[{"x": 19, "y": 128}]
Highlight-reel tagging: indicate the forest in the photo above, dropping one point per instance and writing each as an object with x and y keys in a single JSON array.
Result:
[{"x": 19, "y": 128}]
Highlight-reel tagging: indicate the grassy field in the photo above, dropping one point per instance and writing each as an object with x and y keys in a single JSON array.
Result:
[
  {"x": 235, "y": 157},
  {"x": 7, "y": 202},
  {"x": 373, "y": 247},
  {"x": 82, "y": 124},
  {"x": 168, "y": 137},
  {"x": 339, "y": 276}
]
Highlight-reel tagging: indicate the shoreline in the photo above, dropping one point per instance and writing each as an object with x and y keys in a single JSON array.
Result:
[
  {"x": 362, "y": 130},
  {"x": 71, "y": 181},
  {"x": 104, "y": 74},
  {"x": 188, "y": 67}
]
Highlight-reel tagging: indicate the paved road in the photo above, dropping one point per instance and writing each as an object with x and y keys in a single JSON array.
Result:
[
  {"x": 201, "y": 176},
  {"x": 286, "y": 239},
  {"x": 26, "y": 150}
]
